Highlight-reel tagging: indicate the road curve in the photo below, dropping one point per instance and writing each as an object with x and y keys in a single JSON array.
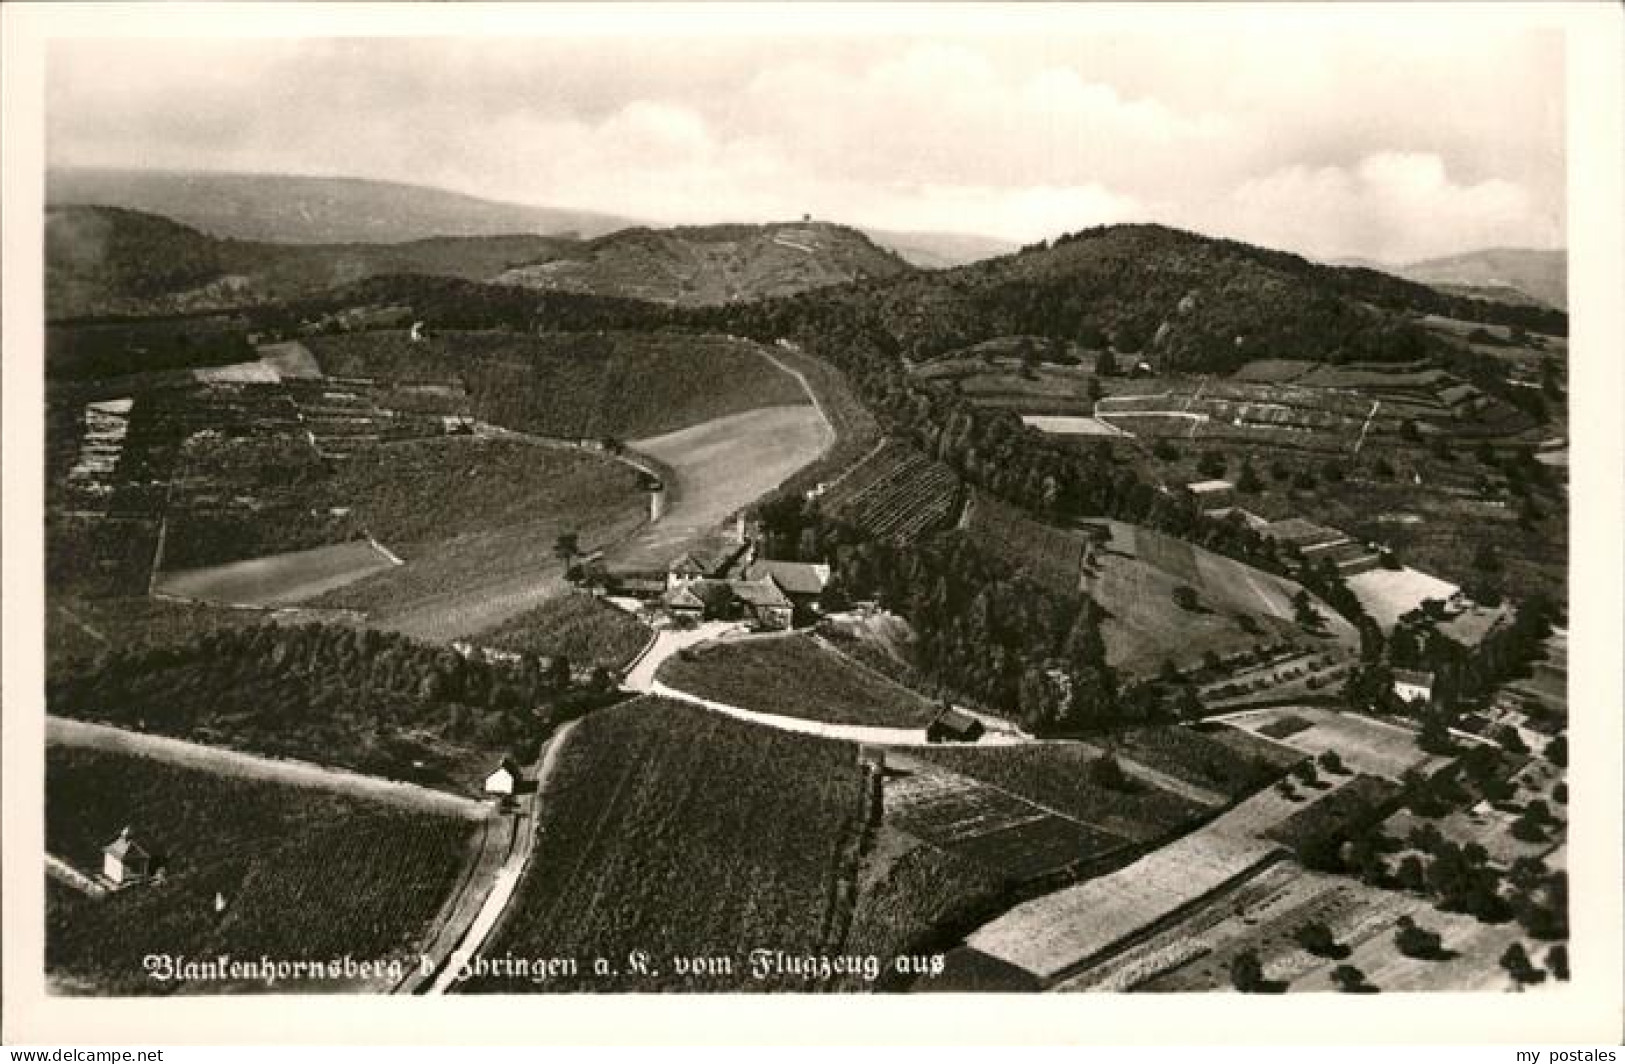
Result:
[{"x": 641, "y": 678}]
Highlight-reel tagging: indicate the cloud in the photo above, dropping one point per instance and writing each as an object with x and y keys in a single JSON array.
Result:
[
  {"x": 1315, "y": 142},
  {"x": 1389, "y": 206}
]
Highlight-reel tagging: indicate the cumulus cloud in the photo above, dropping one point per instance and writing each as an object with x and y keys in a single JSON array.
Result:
[{"x": 1390, "y": 206}]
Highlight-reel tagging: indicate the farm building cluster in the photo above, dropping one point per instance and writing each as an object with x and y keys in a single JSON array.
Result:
[{"x": 721, "y": 579}]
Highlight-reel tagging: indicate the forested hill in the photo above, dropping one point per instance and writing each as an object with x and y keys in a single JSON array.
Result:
[{"x": 1188, "y": 302}]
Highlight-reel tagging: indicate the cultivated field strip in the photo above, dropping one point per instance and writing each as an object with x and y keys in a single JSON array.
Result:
[
  {"x": 895, "y": 493},
  {"x": 278, "y": 579},
  {"x": 1000, "y": 831}
]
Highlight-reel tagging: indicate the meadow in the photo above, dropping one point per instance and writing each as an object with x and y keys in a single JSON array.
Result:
[{"x": 1134, "y": 576}]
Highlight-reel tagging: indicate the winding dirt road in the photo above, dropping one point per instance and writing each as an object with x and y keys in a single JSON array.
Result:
[{"x": 478, "y": 925}]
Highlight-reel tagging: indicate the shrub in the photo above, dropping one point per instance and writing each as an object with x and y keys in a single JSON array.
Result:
[
  {"x": 1528, "y": 829},
  {"x": 1517, "y": 964},
  {"x": 1418, "y": 942},
  {"x": 1246, "y": 972},
  {"x": 1350, "y": 980},
  {"x": 1318, "y": 939},
  {"x": 1106, "y": 771}
]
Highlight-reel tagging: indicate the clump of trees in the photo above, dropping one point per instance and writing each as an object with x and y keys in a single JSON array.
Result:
[
  {"x": 1247, "y": 972},
  {"x": 1350, "y": 980},
  {"x": 1413, "y": 940},
  {"x": 983, "y": 629},
  {"x": 1317, "y": 938}
]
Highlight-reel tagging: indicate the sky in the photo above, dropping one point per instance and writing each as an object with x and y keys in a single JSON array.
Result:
[{"x": 1369, "y": 141}]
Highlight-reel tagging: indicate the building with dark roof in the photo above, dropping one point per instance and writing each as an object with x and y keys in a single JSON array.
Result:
[
  {"x": 763, "y": 602},
  {"x": 954, "y": 726},
  {"x": 803, "y": 583}
]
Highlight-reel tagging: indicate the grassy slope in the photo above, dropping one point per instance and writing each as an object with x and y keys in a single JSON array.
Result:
[
  {"x": 795, "y": 677},
  {"x": 680, "y": 832},
  {"x": 497, "y": 510},
  {"x": 306, "y": 873}
]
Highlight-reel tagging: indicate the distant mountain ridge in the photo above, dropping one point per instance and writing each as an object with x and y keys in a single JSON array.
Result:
[
  {"x": 941, "y": 251},
  {"x": 295, "y": 209},
  {"x": 1538, "y": 272},
  {"x": 1515, "y": 276}
]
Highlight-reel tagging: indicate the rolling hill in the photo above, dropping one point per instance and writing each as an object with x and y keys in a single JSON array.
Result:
[
  {"x": 106, "y": 260},
  {"x": 711, "y": 265},
  {"x": 292, "y": 209}
]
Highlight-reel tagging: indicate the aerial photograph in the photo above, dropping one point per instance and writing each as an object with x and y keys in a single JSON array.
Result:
[{"x": 1057, "y": 509}]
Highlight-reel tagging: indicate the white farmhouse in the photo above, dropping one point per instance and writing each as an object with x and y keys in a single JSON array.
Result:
[
  {"x": 504, "y": 780},
  {"x": 124, "y": 861}
]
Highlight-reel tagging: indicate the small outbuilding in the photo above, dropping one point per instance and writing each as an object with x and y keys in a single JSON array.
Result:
[
  {"x": 954, "y": 726},
  {"x": 504, "y": 780},
  {"x": 1413, "y": 686},
  {"x": 1212, "y": 494},
  {"x": 125, "y": 861}
]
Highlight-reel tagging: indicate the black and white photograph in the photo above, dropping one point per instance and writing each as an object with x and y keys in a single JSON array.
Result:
[{"x": 665, "y": 501}]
